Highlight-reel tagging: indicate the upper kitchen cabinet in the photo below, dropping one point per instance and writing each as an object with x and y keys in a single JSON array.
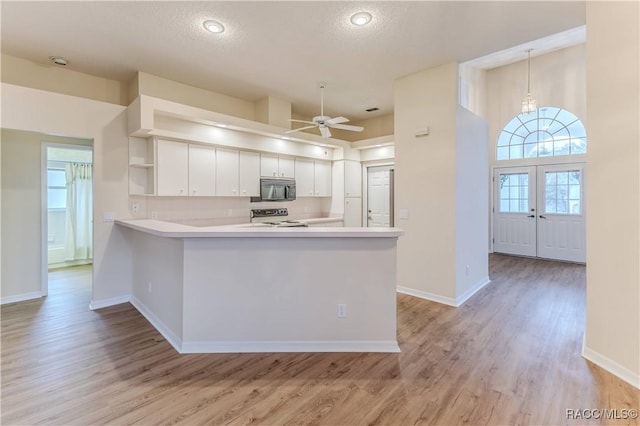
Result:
[
  {"x": 141, "y": 166},
  {"x": 202, "y": 171},
  {"x": 249, "y": 174},
  {"x": 313, "y": 178},
  {"x": 276, "y": 166},
  {"x": 172, "y": 167},
  {"x": 322, "y": 178},
  {"x": 352, "y": 179},
  {"x": 227, "y": 172},
  {"x": 305, "y": 178}
]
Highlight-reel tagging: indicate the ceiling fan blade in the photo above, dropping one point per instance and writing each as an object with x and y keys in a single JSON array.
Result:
[
  {"x": 347, "y": 127},
  {"x": 337, "y": 120},
  {"x": 302, "y": 121},
  {"x": 324, "y": 131},
  {"x": 300, "y": 128}
]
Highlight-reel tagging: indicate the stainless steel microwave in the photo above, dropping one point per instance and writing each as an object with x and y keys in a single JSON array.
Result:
[{"x": 277, "y": 189}]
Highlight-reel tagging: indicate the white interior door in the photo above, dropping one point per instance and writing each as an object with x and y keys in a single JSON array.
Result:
[
  {"x": 514, "y": 216},
  {"x": 561, "y": 215},
  {"x": 540, "y": 211},
  {"x": 379, "y": 197}
]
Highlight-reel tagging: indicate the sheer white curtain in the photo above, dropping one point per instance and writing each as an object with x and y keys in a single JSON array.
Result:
[{"x": 79, "y": 238}]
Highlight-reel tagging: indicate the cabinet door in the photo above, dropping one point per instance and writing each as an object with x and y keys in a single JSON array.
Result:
[
  {"x": 227, "y": 163},
  {"x": 268, "y": 165},
  {"x": 172, "y": 167},
  {"x": 304, "y": 178},
  {"x": 286, "y": 167},
  {"x": 322, "y": 174},
  {"x": 202, "y": 171},
  {"x": 352, "y": 179},
  {"x": 249, "y": 175},
  {"x": 352, "y": 212}
]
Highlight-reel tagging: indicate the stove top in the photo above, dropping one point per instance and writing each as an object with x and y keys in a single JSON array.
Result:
[{"x": 275, "y": 218}]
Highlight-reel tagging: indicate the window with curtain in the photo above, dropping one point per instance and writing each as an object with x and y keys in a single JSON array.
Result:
[{"x": 79, "y": 227}]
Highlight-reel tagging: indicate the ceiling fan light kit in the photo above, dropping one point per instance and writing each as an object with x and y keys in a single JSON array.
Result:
[{"x": 324, "y": 122}]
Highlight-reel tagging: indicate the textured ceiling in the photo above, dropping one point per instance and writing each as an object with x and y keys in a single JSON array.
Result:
[{"x": 281, "y": 49}]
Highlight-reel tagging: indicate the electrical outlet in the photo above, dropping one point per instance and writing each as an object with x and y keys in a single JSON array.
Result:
[
  {"x": 342, "y": 310},
  {"x": 135, "y": 207},
  {"x": 154, "y": 215},
  {"x": 229, "y": 212},
  {"x": 108, "y": 216}
]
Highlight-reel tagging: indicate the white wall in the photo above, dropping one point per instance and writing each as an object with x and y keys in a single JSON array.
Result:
[
  {"x": 472, "y": 204},
  {"x": 51, "y": 113},
  {"x": 557, "y": 79},
  {"x": 612, "y": 337},
  {"x": 425, "y": 182}
]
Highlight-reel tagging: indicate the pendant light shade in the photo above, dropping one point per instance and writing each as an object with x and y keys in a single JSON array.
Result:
[{"x": 528, "y": 103}]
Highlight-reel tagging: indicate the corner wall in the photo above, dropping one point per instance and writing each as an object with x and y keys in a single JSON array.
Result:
[
  {"x": 52, "y": 113},
  {"x": 425, "y": 182},
  {"x": 612, "y": 336}
]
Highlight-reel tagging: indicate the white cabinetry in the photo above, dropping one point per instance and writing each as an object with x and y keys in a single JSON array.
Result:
[
  {"x": 202, "y": 171},
  {"x": 172, "y": 164},
  {"x": 275, "y": 166},
  {"x": 322, "y": 178},
  {"x": 305, "y": 177},
  {"x": 352, "y": 179},
  {"x": 249, "y": 174},
  {"x": 313, "y": 178},
  {"x": 227, "y": 172},
  {"x": 353, "y": 212},
  {"x": 352, "y": 193},
  {"x": 141, "y": 166}
]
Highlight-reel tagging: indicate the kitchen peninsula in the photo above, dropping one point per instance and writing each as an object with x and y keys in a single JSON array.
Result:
[{"x": 244, "y": 288}]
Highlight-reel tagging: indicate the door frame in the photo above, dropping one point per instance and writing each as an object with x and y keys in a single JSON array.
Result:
[
  {"x": 44, "y": 206},
  {"x": 365, "y": 185},
  {"x": 579, "y": 161}
]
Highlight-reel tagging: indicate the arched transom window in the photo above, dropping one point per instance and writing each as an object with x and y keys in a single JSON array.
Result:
[{"x": 546, "y": 132}]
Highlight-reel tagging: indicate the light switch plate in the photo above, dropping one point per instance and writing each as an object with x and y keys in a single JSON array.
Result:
[
  {"x": 108, "y": 216},
  {"x": 403, "y": 213}
]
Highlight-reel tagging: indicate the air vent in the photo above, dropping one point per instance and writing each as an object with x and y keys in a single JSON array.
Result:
[{"x": 372, "y": 109}]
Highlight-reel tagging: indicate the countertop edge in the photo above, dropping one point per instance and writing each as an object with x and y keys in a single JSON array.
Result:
[{"x": 175, "y": 230}]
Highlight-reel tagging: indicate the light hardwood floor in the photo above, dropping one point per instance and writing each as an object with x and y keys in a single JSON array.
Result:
[{"x": 510, "y": 355}]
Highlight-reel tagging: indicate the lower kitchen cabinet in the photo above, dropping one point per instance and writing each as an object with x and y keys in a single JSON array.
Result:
[{"x": 353, "y": 212}]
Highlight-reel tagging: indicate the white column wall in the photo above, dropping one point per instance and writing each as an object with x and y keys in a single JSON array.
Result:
[{"x": 612, "y": 337}]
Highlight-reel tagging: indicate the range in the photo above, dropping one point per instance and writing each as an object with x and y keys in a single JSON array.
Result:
[{"x": 274, "y": 217}]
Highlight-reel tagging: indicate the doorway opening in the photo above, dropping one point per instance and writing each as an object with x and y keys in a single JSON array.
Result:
[
  {"x": 539, "y": 211},
  {"x": 67, "y": 214},
  {"x": 380, "y": 196}
]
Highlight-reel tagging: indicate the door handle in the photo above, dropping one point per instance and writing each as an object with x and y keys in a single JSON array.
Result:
[
  {"x": 532, "y": 215},
  {"x": 542, "y": 217}
]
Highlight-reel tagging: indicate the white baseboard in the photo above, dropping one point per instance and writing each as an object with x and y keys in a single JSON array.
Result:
[
  {"x": 611, "y": 366},
  {"x": 427, "y": 296},
  {"x": 457, "y": 302},
  {"x": 472, "y": 290},
  {"x": 99, "y": 304},
  {"x": 390, "y": 346},
  {"x": 21, "y": 297},
  {"x": 173, "y": 339}
]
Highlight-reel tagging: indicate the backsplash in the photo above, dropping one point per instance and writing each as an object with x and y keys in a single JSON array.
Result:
[{"x": 221, "y": 210}]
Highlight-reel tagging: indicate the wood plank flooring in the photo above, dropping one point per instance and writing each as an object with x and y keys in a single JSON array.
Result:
[{"x": 510, "y": 355}]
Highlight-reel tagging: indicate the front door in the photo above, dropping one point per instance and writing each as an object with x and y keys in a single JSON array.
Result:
[{"x": 539, "y": 211}]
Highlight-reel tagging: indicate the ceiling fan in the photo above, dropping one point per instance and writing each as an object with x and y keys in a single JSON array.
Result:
[{"x": 324, "y": 122}]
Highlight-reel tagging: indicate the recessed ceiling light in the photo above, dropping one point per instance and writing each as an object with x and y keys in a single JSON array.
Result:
[
  {"x": 213, "y": 26},
  {"x": 361, "y": 18},
  {"x": 221, "y": 125},
  {"x": 58, "y": 60}
]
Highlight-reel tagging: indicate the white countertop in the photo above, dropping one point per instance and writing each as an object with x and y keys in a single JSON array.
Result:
[{"x": 176, "y": 230}]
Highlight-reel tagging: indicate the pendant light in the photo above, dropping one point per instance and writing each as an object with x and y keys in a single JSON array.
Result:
[{"x": 529, "y": 103}]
